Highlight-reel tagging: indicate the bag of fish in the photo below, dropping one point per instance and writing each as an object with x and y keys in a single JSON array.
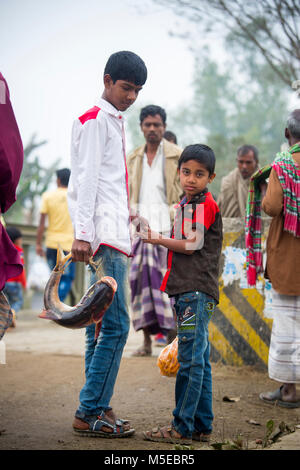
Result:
[{"x": 167, "y": 360}]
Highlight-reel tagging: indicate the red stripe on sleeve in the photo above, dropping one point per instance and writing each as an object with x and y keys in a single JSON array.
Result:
[{"x": 90, "y": 114}]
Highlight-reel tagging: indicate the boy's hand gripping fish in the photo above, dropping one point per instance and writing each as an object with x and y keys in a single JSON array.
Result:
[{"x": 90, "y": 308}]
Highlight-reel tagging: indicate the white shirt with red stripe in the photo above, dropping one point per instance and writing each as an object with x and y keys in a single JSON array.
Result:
[{"x": 98, "y": 188}]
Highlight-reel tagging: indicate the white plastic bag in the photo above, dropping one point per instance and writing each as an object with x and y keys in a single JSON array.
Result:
[{"x": 39, "y": 273}]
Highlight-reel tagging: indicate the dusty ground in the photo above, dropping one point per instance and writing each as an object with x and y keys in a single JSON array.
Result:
[{"x": 42, "y": 377}]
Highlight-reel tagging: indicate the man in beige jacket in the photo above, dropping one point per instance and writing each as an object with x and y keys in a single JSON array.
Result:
[
  {"x": 233, "y": 195},
  {"x": 154, "y": 190}
]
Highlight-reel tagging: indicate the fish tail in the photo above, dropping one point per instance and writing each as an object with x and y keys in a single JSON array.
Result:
[
  {"x": 61, "y": 260},
  {"x": 59, "y": 256}
]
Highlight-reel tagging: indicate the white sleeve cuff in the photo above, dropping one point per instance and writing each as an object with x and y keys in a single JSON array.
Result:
[{"x": 85, "y": 233}]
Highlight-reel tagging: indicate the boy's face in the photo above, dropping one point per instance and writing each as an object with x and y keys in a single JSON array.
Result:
[
  {"x": 153, "y": 129},
  {"x": 194, "y": 177},
  {"x": 121, "y": 94},
  {"x": 18, "y": 242}
]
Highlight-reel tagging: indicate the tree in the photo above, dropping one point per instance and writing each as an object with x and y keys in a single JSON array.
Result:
[
  {"x": 34, "y": 181},
  {"x": 254, "y": 116},
  {"x": 270, "y": 27}
]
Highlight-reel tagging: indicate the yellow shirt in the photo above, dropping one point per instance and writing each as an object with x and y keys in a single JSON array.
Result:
[{"x": 60, "y": 229}]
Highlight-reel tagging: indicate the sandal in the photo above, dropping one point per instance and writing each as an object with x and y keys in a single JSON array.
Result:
[
  {"x": 92, "y": 425},
  {"x": 166, "y": 434},
  {"x": 118, "y": 421},
  {"x": 276, "y": 397}
]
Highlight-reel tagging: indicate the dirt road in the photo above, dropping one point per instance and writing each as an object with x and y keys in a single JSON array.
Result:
[{"x": 43, "y": 375}]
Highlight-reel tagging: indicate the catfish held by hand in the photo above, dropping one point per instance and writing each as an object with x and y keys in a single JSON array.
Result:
[{"x": 91, "y": 307}]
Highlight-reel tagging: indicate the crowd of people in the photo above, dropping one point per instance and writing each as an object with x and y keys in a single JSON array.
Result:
[{"x": 150, "y": 222}]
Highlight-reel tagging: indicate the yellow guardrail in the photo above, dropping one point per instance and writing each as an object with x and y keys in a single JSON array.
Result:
[{"x": 239, "y": 332}]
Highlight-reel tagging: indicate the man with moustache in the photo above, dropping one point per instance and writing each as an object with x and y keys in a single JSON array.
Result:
[{"x": 233, "y": 196}]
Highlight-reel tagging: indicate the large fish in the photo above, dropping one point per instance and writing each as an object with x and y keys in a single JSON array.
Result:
[{"x": 91, "y": 307}]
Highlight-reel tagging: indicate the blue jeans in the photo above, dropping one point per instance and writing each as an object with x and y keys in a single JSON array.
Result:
[
  {"x": 103, "y": 356},
  {"x": 14, "y": 294},
  {"x": 193, "y": 389},
  {"x": 67, "y": 277}
]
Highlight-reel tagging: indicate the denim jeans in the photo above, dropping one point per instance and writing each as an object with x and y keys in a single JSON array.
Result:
[
  {"x": 193, "y": 389},
  {"x": 14, "y": 294},
  {"x": 67, "y": 277},
  {"x": 103, "y": 356}
]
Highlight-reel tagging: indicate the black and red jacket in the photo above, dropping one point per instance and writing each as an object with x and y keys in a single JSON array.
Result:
[{"x": 199, "y": 271}]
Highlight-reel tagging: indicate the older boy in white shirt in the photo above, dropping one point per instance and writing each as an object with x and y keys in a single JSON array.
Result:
[{"x": 99, "y": 208}]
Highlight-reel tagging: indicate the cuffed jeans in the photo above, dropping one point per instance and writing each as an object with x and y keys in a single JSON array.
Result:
[
  {"x": 193, "y": 389},
  {"x": 103, "y": 356}
]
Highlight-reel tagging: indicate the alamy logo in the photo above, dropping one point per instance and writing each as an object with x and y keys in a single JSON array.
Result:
[{"x": 189, "y": 224}]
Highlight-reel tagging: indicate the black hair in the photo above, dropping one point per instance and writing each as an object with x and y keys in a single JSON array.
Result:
[
  {"x": 63, "y": 175},
  {"x": 201, "y": 153},
  {"x": 152, "y": 110},
  {"x": 244, "y": 149},
  {"x": 126, "y": 65},
  {"x": 14, "y": 233},
  {"x": 170, "y": 136}
]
